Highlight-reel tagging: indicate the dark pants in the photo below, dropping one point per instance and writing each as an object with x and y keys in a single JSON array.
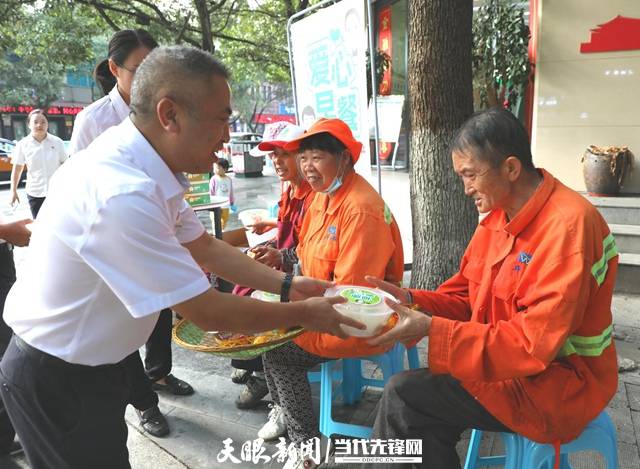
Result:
[
  {"x": 7, "y": 278},
  {"x": 157, "y": 363},
  {"x": 255, "y": 364},
  {"x": 34, "y": 204},
  {"x": 67, "y": 416},
  {"x": 434, "y": 408}
]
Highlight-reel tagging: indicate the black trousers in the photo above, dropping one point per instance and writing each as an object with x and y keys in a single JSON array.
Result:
[
  {"x": 255, "y": 364},
  {"x": 416, "y": 404},
  {"x": 7, "y": 278},
  {"x": 158, "y": 362},
  {"x": 67, "y": 416},
  {"x": 34, "y": 204}
]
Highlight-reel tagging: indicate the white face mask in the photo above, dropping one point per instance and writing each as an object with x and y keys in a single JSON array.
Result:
[{"x": 337, "y": 181}]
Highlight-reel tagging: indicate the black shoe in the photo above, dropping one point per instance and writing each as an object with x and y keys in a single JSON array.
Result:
[
  {"x": 174, "y": 386},
  {"x": 252, "y": 394},
  {"x": 153, "y": 422}
]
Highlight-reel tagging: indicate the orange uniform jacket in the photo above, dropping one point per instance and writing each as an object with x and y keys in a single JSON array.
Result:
[
  {"x": 525, "y": 325},
  {"x": 344, "y": 238}
]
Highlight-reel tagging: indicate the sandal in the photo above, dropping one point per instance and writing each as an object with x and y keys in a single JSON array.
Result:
[{"x": 174, "y": 386}]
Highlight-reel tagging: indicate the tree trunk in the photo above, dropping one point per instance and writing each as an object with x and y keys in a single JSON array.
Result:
[
  {"x": 204, "y": 19},
  {"x": 440, "y": 99}
]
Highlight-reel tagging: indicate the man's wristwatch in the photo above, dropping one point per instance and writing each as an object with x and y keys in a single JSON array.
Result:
[{"x": 286, "y": 286}]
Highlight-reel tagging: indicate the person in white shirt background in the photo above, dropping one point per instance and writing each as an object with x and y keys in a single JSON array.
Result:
[
  {"x": 221, "y": 185},
  {"x": 11, "y": 233},
  {"x": 42, "y": 154},
  {"x": 129, "y": 245},
  {"x": 127, "y": 49}
]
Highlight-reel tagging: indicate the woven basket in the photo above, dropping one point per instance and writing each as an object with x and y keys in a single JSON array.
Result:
[{"x": 188, "y": 335}]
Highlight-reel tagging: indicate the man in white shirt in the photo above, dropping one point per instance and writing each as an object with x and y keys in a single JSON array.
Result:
[
  {"x": 17, "y": 234},
  {"x": 43, "y": 154},
  {"x": 112, "y": 250}
]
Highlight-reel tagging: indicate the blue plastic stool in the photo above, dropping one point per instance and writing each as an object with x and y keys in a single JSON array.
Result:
[
  {"x": 522, "y": 453},
  {"x": 390, "y": 363}
]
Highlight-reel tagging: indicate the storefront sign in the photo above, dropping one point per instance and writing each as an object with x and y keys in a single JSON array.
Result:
[
  {"x": 328, "y": 52},
  {"x": 54, "y": 110}
]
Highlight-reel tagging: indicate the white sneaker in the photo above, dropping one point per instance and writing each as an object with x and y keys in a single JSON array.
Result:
[{"x": 276, "y": 426}]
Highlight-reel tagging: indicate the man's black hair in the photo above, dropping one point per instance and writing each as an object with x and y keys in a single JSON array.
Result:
[
  {"x": 223, "y": 163},
  {"x": 494, "y": 135}
]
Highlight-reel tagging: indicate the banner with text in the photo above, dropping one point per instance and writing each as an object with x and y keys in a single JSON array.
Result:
[{"x": 329, "y": 60}]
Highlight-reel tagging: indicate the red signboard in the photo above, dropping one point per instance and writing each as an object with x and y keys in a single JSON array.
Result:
[
  {"x": 621, "y": 33},
  {"x": 269, "y": 118},
  {"x": 52, "y": 111},
  {"x": 384, "y": 44}
]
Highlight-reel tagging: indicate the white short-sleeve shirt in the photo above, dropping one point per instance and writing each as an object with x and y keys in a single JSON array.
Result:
[
  {"x": 42, "y": 160},
  {"x": 106, "y": 253},
  {"x": 93, "y": 120}
]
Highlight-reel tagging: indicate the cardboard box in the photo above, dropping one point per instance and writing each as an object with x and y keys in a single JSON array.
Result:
[{"x": 198, "y": 199}]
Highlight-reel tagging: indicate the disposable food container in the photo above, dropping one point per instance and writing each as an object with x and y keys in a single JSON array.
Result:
[{"x": 363, "y": 304}]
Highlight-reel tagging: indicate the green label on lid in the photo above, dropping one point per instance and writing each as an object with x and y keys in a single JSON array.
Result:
[
  {"x": 267, "y": 296},
  {"x": 360, "y": 297}
]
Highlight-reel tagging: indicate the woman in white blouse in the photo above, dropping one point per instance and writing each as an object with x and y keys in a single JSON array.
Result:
[
  {"x": 42, "y": 153},
  {"x": 127, "y": 49}
]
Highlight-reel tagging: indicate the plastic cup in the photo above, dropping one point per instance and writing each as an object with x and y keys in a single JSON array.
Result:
[{"x": 251, "y": 216}]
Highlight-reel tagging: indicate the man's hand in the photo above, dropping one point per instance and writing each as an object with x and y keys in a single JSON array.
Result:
[
  {"x": 412, "y": 326},
  {"x": 319, "y": 315},
  {"x": 14, "y": 199},
  {"x": 262, "y": 226},
  {"x": 17, "y": 232},
  {"x": 307, "y": 287},
  {"x": 268, "y": 256},
  {"x": 400, "y": 293}
]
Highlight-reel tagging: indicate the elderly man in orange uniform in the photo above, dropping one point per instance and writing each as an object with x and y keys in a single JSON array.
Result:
[{"x": 519, "y": 338}]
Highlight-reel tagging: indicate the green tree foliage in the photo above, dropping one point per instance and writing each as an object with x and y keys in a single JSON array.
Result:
[
  {"x": 39, "y": 44},
  {"x": 500, "y": 53}
]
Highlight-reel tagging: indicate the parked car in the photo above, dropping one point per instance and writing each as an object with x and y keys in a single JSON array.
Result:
[{"x": 6, "y": 148}]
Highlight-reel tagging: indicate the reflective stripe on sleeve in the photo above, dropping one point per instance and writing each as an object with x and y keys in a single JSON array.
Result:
[{"x": 587, "y": 346}]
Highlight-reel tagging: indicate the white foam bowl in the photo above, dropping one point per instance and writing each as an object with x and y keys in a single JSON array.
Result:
[
  {"x": 253, "y": 215},
  {"x": 365, "y": 305}
]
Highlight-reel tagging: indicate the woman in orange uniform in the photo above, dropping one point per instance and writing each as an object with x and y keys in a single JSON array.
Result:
[
  {"x": 279, "y": 252},
  {"x": 348, "y": 233}
]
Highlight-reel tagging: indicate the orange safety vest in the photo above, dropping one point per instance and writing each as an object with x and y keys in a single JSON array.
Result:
[
  {"x": 344, "y": 238},
  {"x": 526, "y": 323}
]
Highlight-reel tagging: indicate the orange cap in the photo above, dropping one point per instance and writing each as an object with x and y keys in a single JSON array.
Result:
[{"x": 336, "y": 127}]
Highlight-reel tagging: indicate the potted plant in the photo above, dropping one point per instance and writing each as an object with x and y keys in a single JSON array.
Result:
[
  {"x": 500, "y": 56},
  {"x": 605, "y": 169}
]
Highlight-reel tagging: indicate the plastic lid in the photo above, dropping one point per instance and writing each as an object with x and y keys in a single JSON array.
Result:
[
  {"x": 265, "y": 296},
  {"x": 362, "y": 296}
]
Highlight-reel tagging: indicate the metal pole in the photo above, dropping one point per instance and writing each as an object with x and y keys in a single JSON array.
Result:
[{"x": 374, "y": 91}]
